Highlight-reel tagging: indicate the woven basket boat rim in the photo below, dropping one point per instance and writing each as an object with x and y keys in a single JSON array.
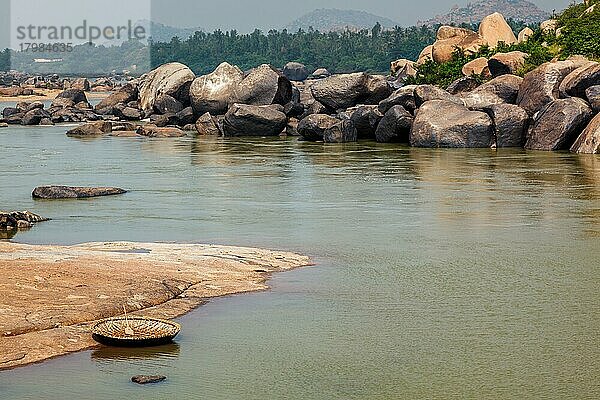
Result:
[{"x": 96, "y": 331}]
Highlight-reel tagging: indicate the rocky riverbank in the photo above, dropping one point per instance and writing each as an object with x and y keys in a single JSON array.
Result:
[{"x": 52, "y": 294}]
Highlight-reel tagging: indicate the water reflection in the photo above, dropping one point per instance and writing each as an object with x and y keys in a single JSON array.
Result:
[{"x": 109, "y": 353}]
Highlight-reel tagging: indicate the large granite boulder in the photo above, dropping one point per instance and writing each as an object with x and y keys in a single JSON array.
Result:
[
  {"x": 213, "y": 93},
  {"x": 503, "y": 89},
  {"x": 172, "y": 79},
  {"x": 91, "y": 129},
  {"x": 366, "y": 119},
  {"x": 342, "y": 132},
  {"x": 541, "y": 86},
  {"x": 593, "y": 95},
  {"x": 295, "y": 71},
  {"x": 394, "y": 126},
  {"x": 378, "y": 89},
  {"x": 425, "y": 93},
  {"x": 314, "y": 126},
  {"x": 558, "y": 124},
  {"x": 449, "y": 39},
  {"x": 124, "y": 95},
  {"x": 425, "y": 55},
  {"x": 341, "y": 91},
  {"x": 478, "y": 66},
  {"x": 263, "y": 86},
  {"x": 510, "y": 124},
  {"x": 70, "y": 97},
  {"x": 405, "y": 97},
  {"x": 577, "y": 82},
  {"x": 525, "y": 34},
  {"x": 249, "y": 120},
  {"x": 442, "y": 123},
  {"x": 494, "y": 29},
  {"x": 589, "y": 140},
  {"x": 507, "y": 63},
  {"x": 73, "y": 192}
]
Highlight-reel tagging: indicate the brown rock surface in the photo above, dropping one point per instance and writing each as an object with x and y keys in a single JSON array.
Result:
[
  {"x": 478, "y": 66},
  {"x": 589, "y": 140},
  {"x": 52, "y": 294},
  {"x": 73, "y": 192}
]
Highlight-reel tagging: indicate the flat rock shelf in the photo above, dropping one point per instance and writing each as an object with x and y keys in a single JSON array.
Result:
[{"x": 51, "y": 295}]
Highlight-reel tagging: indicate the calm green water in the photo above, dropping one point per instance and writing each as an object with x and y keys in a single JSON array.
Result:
[{"x": 440, "y": 273}]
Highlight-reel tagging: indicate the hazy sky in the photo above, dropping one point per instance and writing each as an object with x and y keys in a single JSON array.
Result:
[{"x": 243, "y": 15}]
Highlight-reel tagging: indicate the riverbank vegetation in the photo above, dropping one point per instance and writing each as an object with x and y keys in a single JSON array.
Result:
[{"x": 578, "y": 29}]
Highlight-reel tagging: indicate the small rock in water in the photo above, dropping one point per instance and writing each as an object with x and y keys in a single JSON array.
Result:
[
  {"x": 145, "y": 379},
  {"x": 72, "y": 192}
]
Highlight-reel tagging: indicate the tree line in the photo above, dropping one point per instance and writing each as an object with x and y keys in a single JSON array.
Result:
[{"x": 369, "y": 50}]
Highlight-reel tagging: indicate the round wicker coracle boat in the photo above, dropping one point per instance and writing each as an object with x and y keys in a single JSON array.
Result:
[{"x": 134, "y": 331}]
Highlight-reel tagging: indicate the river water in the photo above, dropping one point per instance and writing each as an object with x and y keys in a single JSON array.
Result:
[{"x": 439, "y": 273}]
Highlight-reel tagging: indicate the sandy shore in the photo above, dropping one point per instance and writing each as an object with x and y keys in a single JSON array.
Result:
[
  {"x": 50, "y": 295},
  {"x": 49, "y": 94}
]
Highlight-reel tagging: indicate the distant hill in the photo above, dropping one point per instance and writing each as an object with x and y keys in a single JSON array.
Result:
[
  {"x": 164, "y": 33},
  {"x": 331, "y": 20},
  {"x": 473, "y": 13}
]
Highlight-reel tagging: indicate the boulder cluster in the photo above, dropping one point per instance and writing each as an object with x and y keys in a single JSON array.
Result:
[{"x": 554, "y": 107}]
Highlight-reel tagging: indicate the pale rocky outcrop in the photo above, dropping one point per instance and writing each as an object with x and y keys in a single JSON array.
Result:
[
  {"x": 525, "y": 34},
  {"x": 425, "y": 55},
  {"x": 214, "y": 92},
  {"x": 172, "y": 79},
  {"x": 494, "y": 29},
  {"x": 440, "y": 123},
  {"x": 48, "y": 311}
]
